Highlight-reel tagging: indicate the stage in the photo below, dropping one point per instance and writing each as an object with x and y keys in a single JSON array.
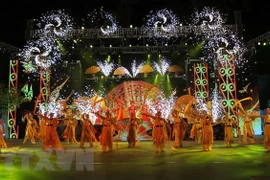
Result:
[{"x": 189, "y": 162}]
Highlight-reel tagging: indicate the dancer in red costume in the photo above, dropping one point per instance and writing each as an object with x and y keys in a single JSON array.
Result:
[{"x": 132, "y": 109}]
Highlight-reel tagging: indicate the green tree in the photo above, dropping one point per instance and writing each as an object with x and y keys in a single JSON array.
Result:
[{"x": 9, "y": 98}]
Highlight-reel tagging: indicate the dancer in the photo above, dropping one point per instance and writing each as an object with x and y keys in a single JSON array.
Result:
[
  {"x": 132, "y": 132},
  {"x": 229, "y": 123},
  {"x": 132, "y": 109},
  {"x": 159, "y": 133},
  {"x": 196, "y": 130},
  {"x": 3, "y": 143},
  {"x": 248, "y": 130},
  {"x": 179, "y": 129},
  {"x": 106, "y": 137},
  {"x": 266, "y": 119},
  {"x": 239, "y": 134},
  {"x": 145, "y": 109},
  {"x": 207, "y": 130},
  {"x": 120, "y": 116},
  {"x": 51, "y": 137},
  {"x": 88, "y": 132},
  {"x": 120, "y": 109},
  {"x": 133, "y": 115},
  {"x": 42, "y": 128},
  {"x": 71, "y": 123},
  {"x": 31, "y": 128}
]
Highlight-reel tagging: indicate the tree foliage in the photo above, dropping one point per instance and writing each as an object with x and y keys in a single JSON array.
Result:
[{"x": 9, "y": 98}]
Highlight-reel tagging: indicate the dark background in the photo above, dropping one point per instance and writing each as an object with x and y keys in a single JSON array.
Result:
[{"x": 14, "y": 14}]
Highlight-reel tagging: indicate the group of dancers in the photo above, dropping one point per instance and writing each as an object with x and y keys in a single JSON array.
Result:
[{"x": 162, "y": 130}]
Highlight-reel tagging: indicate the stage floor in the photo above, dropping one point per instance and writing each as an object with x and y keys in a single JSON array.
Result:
[{"x": 27, "y": 161}]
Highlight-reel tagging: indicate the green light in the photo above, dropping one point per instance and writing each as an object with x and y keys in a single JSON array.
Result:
[
  {"x": 109, "y": 58},
  {"x": 169, "y": 86},
  {"x": 156, "y": 79},
  {"x": 119, "y": 59},
  {"x": 148, "y": 59},
  {"x": 61, "y": 47},
  {"x": 195, "y": 52},
  {"x": 75, "y": 41}
]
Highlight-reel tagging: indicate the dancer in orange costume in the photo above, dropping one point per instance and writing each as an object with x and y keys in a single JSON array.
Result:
[
  {"x": 133, "y": 115},
  {"x": 88, "y": 132},
  {"x": 42, "y": 128},
  {"x": 159, "y": 134},
  {"x": 196, "y": 130},
  {"x": 179, "y": 129},
  {"x": 51, "y": 136},
  {"x": 229, "y": 123},
  {"x": 106, "y": 137},
  {"x": 71, "y": 123},
  {"x": 120, "y": 116},
  {"x": 120, "y": 109},
  {"x": 207, "y": 130},
  {"x": 31, "y": 128},
  {"x": 132, "y": 132},
  {"x": 248, "y": 130},
  {"x": 266, "y": 119},
  {"x": 3, "y": 143}
]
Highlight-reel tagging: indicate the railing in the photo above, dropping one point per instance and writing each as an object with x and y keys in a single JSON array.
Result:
[
  {"x": 137, "y": 49},
  {"x": 128, "y": 32}
]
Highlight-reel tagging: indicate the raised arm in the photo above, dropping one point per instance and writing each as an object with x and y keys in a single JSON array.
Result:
[{"x": 149, "y": 115}]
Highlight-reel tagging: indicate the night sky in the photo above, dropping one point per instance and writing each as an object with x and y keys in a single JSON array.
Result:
[{"x": 14, "y": 14}]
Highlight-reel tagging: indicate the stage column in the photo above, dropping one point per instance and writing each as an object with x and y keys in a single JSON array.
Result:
[
  {"x": 201, "y": 86},
  {"x": 12, "y": 109},
  {"x": 227, "y": 81}
]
